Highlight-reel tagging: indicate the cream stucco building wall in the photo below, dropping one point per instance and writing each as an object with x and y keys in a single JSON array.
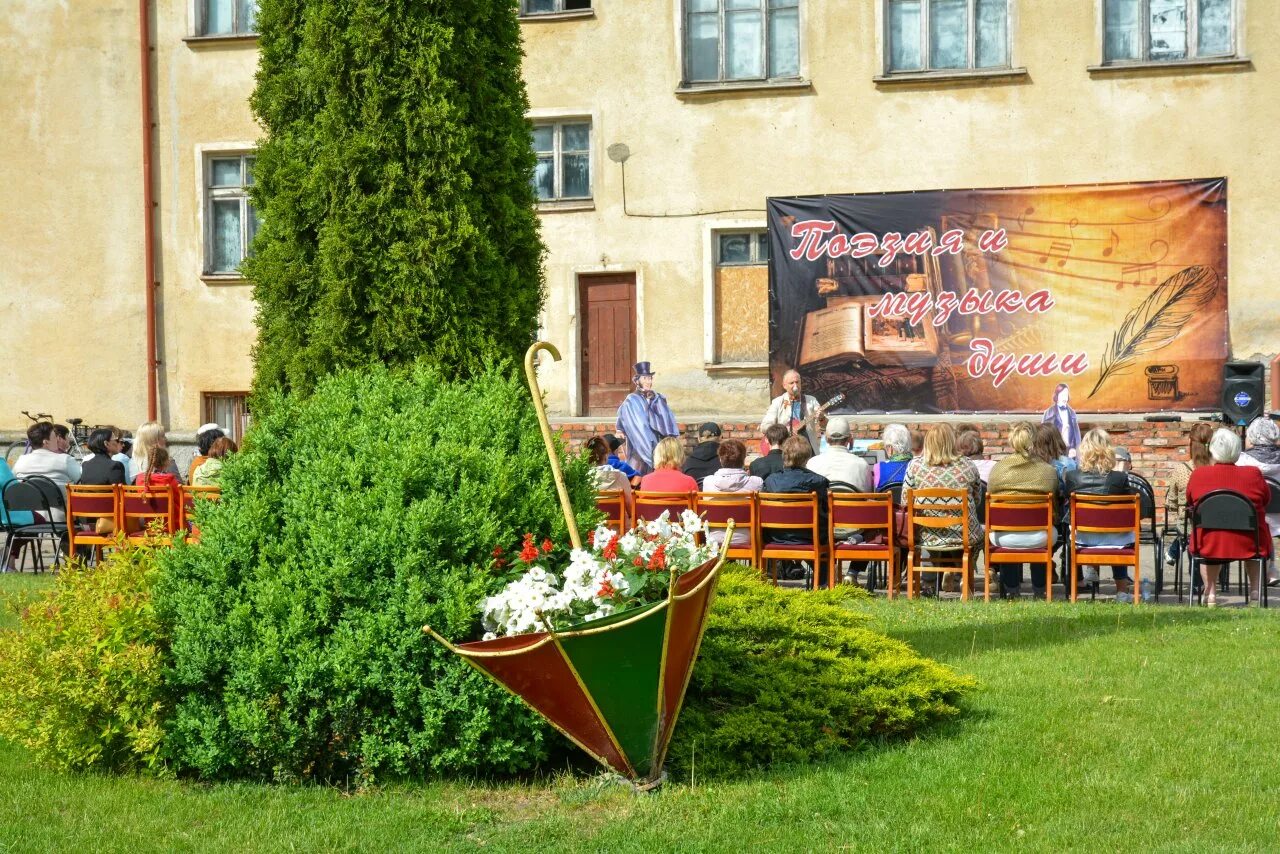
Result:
[{"x": 71, "y": 272}]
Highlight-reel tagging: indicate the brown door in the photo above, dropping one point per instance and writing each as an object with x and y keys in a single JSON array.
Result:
[{"x": 608, "y": 312}]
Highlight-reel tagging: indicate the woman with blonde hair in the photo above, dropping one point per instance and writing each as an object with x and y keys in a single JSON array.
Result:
[
  {"x": 149, "y": 436},
  {"x": 1022, "y": 472},
  {"x": 1097, "y": 475},
  {"x": 668, "y": 456},
  {"x": 941, "y": 466}
]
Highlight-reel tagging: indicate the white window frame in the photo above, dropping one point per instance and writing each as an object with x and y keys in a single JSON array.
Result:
[
  {"x": 711, "y": 233},
  {"x": 205, "y": 154},
  {"x": 558, "y": 11},
  {"x": 682, "y": 8},
  {"x": 1193, "y": 36},
  {"x": 971, "y": 42},
  {"x": 557, "y": 122},
  {"x": 197, "y": 17}
]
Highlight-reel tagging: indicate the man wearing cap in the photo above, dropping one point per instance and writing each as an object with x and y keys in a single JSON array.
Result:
[
  {"x": 791, "y": 407},
  {"x": 645, "y": 418},
  {"x": 704, "y": 459},
  {"x": 837, "y": 463}
]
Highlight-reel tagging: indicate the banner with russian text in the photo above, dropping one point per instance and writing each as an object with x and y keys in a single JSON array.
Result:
[{"x": 992, "y": 300}]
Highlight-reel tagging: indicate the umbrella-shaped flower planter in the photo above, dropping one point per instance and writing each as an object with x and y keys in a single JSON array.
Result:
[{"x": 614, "y": 686}]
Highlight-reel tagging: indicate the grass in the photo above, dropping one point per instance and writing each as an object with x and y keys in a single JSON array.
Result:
[{"x": 1095, "y": 726}]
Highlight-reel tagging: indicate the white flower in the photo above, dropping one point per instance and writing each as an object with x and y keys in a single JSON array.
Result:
[
  {"x": 489, "y": 636},
  {"x": 628, "y": 542},
  {"x": 602, "y": 536}
]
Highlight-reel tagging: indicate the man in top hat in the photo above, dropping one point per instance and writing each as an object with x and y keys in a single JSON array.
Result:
[
  {"x": 1063, "y": 418},
  {"x": 645, "y": 418}
]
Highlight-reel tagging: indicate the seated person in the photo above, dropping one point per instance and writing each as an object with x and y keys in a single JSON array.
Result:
[
  {"x": 1022, "y": 472},
  {"x": 896, "y": 443},
  {"x": 970, "y": 444},
  {"x": 158, "y": 472},
  {"x": 837, "y": 463},
  {"x": 731, "y": 477},
  {"x": 150, "y": 435},
  {"x": 101, "y": 468},
  {"x": 775, "y": 435},
  {"x": 48, "y": 457},
  {"x": 1224, "y": 473},
  {"x": 206, "y": 435},
  {"x": 617, "y": 462},
  {"x": 704, "y": 458},
  {"x": 1097, "y": 475},
  {"x": 209, "y": 473},
  {"x": 666, "y": 476},
  {"x": 795, "y": 477}
]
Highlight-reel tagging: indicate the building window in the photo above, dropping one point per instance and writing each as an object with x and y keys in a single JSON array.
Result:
[
  {"x": 733, "y": 40},
  {"x": 230, "y": 219},
  {"x": 1168, "y": 30},
  {"x": 947, "y": 35},
  {"x": 228, "y": 410},
  {"x": 550, "y": 7},
  {"x": 741, "y": 296},
  {"x": 227, "y": 17},
  {"x": 563, "y": 170}
]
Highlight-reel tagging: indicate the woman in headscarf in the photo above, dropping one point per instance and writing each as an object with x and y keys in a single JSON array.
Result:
[{"x": 646, "y": 419}]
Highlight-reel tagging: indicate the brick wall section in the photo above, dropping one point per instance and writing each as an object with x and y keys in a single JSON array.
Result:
[{"x": 1156, "y": 447}]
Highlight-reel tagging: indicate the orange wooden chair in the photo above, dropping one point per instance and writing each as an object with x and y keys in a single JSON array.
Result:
[
  {"x": 1024, "y": 513},
  {"x": 717, "y": 508},
  {"x": 935, "y": 509},
  {"x": 790, "y": 511},
  {"x": 647, "y": 506},
  {"x": 87, "y": 507},
  {"x": 187, "y": 507},
  {"x": 1105, "y": 514},
  {"x": 872, "y": 512},
  {"x": 143, "y": 508},
  {"x": 613, "y": 504}
]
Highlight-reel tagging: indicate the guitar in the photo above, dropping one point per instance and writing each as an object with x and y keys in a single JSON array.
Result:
[{"x": 810, "y": 424}]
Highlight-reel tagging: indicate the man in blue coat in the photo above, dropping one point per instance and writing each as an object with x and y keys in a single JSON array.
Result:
[{"x": 645, "y": 418}]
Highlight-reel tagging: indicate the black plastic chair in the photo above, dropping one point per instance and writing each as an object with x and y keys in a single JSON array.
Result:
[
  {"x": 40, "y": 495},
  {"x": 1147, "y": 531},
  {"x": 1225, "y": 510}
]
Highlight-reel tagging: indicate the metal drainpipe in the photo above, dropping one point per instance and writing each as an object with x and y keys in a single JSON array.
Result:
[{"x": 148, "y": 212}]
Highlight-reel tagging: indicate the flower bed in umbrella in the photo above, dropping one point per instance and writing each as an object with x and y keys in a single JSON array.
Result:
[{"x": 603, "y": 649}]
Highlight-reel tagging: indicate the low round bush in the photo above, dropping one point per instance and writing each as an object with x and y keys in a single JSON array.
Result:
[
  {"x": 353, "y": 517},
  {"x": 81, "y": 679},
  {"x": 789, "y": 676}
]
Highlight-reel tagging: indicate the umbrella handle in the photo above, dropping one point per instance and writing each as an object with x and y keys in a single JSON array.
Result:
[{"x": 531, "y": 373}]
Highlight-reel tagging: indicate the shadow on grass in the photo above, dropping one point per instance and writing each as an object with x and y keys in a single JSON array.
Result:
[{"x": 934, "y": 632}]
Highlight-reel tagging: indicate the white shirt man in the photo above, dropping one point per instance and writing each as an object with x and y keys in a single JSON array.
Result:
[
  {"x": 837, "y": 462},
  {"x": 49, "y": 458},
  {"x": 789, "y": 406}
]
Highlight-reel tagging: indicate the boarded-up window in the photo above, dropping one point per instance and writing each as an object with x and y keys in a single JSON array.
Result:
[{"x": 742, "y": 296}]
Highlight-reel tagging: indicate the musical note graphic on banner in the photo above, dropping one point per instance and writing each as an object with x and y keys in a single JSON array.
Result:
[
  {"x": 1132, "y": 274},
  {"x": 1111, "y": 246},
  {"x": 1059, "y": 250}
]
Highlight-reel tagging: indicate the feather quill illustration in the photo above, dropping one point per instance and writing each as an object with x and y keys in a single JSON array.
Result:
[{"x": 1158, "y": 319}]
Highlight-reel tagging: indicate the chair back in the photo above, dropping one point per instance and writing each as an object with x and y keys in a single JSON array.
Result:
[
  {"x": 613, "y": 504},
  {"x": 894, "y": 488},
  {"x": 938, "y": 508},
  {"x": 1020, "y": 511},
  {"x": 792, "y": 511},
  {"x": 717, "y": 508},
  {"x": 1146, "y": 496},
  {"x": 55, "y": 498},
  {"x": 143, "y": 506},
  {"x": 1106, "y": 514},
  {"x": 869, "y": 511},
  {"x": 648, "y": 506},
  {"x": 91, "y": 502},
  {"x": 1225, "y": 510},
  {"x": 190, "y": 495},
  {"x": 23, "y": 495},
  {"x": 1273, "y": 503}
]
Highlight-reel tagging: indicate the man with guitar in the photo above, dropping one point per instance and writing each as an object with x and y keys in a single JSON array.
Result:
[{"x": 798, "y": 412}]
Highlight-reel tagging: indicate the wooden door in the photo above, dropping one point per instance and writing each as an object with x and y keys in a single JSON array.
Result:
[{"x": 607, "y": 307}]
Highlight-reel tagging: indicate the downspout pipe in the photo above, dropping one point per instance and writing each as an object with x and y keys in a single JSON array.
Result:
[{"x": 148, "y": 202}]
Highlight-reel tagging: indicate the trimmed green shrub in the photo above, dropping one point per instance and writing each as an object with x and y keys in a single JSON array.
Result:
[
  {"x": 81, "y": 679},
  {"x": 353, "y": 517},
  {"x": 789, "y": 676},
  {"x": 393, "y": 179}
]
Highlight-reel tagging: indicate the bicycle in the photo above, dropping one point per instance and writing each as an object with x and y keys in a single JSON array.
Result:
[{"x": 79, "y": 435}]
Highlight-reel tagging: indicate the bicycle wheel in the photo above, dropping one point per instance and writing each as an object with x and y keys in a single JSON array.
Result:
[{"x": 14, "y": 451}]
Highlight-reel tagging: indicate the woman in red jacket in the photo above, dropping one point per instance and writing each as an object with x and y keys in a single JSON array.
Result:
[{"x": 1223, "y": 473}]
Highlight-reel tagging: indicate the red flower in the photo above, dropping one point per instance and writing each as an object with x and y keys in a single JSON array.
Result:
[
  {"x": 500, "y": 563},
  {"x": 610, "y": 552},
  {"x": 637, "y": 561},
  {"x": 591, "y": 537},
  {"x": 528, "y": 552},
  {"x": 497, "y": 551},
  {"x": 659, "y": 558},
  {"x": 606, "y": 590},
  {"x": 547, "y": 545}
]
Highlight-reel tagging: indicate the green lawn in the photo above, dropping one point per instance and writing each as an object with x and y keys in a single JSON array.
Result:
[{"x": 1096, "y": 726}]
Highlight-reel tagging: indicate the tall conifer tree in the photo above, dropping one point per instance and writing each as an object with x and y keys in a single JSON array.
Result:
[{"x": 393, "y": 180}]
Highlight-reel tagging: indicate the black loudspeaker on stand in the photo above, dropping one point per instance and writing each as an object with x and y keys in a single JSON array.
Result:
[{"x": 1243, "y": 392}]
